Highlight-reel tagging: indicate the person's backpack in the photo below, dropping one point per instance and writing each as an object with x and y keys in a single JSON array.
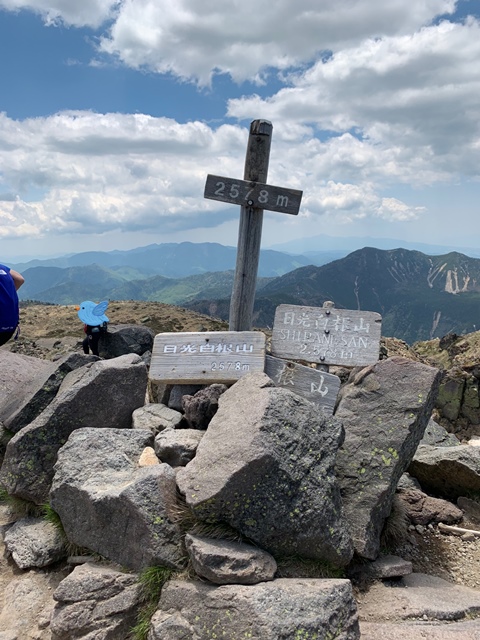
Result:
[{"x": 104, "y": 327}]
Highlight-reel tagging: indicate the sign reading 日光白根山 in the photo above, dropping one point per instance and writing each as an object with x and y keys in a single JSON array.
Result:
[
  {"x": 326, "y": 336},
  {"x": 206, "y": 357}
]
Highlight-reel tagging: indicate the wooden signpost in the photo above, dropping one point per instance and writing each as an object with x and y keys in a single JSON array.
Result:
[
  {"x": 206, "y": 357},
  {"x": 319, "y": 387},
  {"x": 254, "y": 195},
  {"x": 326, "y": 335}
]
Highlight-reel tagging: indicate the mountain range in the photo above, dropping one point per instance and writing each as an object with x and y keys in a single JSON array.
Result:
[
  {"x": 419, "y": 296},
  {"x": 177, "y": 260}
]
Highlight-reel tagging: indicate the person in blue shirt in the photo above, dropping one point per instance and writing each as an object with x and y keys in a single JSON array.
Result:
[{"x": 10, "y": 282}]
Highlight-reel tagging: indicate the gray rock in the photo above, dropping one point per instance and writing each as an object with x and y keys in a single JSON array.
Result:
[
  {"x": 28, "y": 401},
  {"x": 420, "y": 630},
  {"x": 390, "y": 567},
  {"x": 111, "y": 505},
  {"x": 156, "y": 417},
  {"x": 419, "y": 596},
  {"x": 200, "y": 408},
  {"x": 407, "y": 482},
  {"x": 228, "y": 562},
  {"x": 423, "y": 509},
  {"x": 265, "y": 466},
  {"x": 177, "y": 447},
  {"x": 470, "y": 508},
  {"x": 34, "y": 542},
  {"x": 384, "y": 408},
  {"x": 284, "y": 608},
  {"x": 447, "y": 471},
  {"x": 126, "y": 338},
  {"x": 177, "y": 391},
  {"x": 436, "y": 436},
  {"x": 21, "y": 371},
  {"x": 95, "y": 603},
  {"x": 100, "y": 395}
]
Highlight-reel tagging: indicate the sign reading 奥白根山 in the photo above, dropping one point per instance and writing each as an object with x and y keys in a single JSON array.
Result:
[
  {"x": 206, "y": 357},
  {"x": 317, "y": 386},
  {"x": 326, "y": 335}
]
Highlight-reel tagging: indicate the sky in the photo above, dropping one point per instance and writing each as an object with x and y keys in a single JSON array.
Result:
[{"x": 113, "y": 112}]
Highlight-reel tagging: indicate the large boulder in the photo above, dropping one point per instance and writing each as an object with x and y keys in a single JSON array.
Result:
[
  {"x": 100, "y": 395},
  {"x": 450, "y": 472},
  {"x": 126, "y": 338},
  {"x": 277, "y": 610},
  {"x": 385, "y": 409},
  {"x": 110, "y": 504},
  {"x": 96, "y": 601},
  {"x": 29, "y": 400},
  {"x": 266, "y": 467},
  {"x": 21, "y": 371}
]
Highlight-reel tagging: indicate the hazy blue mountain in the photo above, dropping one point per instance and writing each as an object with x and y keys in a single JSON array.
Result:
[
  {"x": 418, "y": 296},
  {"x": 75, "y": 284},
  {"x": 173, "y": 260},
  {"x": 319, "y": 244}
]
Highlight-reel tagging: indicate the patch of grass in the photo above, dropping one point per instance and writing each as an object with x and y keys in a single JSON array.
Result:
[
  {"x": 52, "y": 517},
  {"x": 181, "y": 514},
  {"x": 151, "y": 580},
  {"x": 395, "y": 529}
]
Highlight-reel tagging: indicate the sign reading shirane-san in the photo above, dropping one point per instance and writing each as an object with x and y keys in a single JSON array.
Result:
[
  {"x": 326, "y": 335},
  {"x": 206, "y": 357},
  {"x": 253, "y": 194}
]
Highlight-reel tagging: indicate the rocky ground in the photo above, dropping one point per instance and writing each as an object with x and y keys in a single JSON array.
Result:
[{"x": 49, "y": 331}]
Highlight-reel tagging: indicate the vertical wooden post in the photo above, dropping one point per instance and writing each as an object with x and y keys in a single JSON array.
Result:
[{"x": 250, "y": 230}]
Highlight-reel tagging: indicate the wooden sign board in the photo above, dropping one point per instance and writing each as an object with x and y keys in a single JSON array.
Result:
[
  {"x": 253, "y": 194},
  {"x": 326, "y": 335},
  {"x": 314, "y": 385},
  {"x": 206, "y": 357}
]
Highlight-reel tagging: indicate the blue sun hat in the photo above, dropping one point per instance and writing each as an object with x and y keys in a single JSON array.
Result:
[{"x": 92, "y": 313}]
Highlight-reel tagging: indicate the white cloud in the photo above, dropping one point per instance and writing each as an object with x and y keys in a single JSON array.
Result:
[
  {"x": 80, "y": 172},
  {"x": 78, "y": 13},
  {"x": 196, "y": 40},
  {"x": 376, "y": 94},
  {"x": 413, "y": 99},
  {"x": 91, "y": 173}
]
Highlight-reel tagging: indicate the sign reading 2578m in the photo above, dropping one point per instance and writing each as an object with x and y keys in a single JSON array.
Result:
[{"x": 253, "y": 194}]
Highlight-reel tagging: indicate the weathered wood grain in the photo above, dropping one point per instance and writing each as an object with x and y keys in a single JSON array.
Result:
[
  {"x": 326, "y": 335},
  {"x": 253, "y": 194},
  {"x": 250, "y": 230},
  {"x": 317, "y": 386},
  {"x": 206, "y": 357}
]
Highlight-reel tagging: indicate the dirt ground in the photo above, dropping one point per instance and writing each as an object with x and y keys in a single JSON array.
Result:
[{"x": 47, "y": 331}]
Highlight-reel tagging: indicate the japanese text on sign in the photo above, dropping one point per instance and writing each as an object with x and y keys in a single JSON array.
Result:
[
  {"x": 206, "y": 356},
  {"x": 326, "y": 335}
]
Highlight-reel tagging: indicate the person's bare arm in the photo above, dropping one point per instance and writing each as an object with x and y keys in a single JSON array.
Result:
[{"x": 18, "y": 279}]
